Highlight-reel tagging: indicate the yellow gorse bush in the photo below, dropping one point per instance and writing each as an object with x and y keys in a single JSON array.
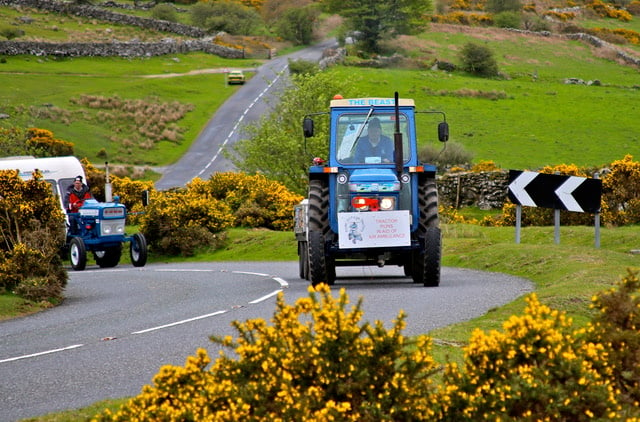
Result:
[
  {"x": 31, "y": 235},
  {"x": 315, "y": 362},
  {"x": 537, "y": 368}
]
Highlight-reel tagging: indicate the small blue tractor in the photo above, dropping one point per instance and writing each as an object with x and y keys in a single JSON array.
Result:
[
  {"x": 376, "y": 208},
  {"x": 99, "y": 227}
]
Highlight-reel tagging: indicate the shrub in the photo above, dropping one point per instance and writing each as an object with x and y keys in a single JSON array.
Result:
[
  {"x": 507, "y": 20},
  {"x": 32, "y": 234},
  {"x": 231, "y": 17},
  {"x": 10, "y": 32},
  {"x": 304, "y": 67},
  {"x": 165, "y": 12},
  {"x": 254, "y": 200},
  {"x": 173, "y": 221},
  {"x": 498, "y": 6},
  {"x": 448, "y": 155},
  {"x": 478, "y": 60},
  {"x": 621, "y": 192},
  {"x": 41, "y": 143},
  {"x": 315, "y": 362},
  {"x": 535, "y": 369},
  {"x": 617, "y": 327}
]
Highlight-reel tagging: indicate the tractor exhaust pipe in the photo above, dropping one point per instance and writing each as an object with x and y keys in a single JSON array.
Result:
[{"x": 397, "y": 140}]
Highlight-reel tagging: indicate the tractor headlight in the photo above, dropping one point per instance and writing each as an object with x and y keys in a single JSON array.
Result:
[
  {"x": 112, "y": 227},
  {"x": 387, "y": 203}
]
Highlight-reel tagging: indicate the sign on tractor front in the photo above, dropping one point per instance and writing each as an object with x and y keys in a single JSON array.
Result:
[{"x": 374, "y": 229}]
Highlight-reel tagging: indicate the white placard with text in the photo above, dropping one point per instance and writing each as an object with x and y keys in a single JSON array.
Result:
[{"x": 374, "y": 229}]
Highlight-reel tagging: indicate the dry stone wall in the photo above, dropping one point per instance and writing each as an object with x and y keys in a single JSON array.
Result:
[
  {"x": 122, "y": 49},
  {"x": 485, "y": 190}
]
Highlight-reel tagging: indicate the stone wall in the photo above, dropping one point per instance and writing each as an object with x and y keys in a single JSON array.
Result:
[
  {"x": 485, "y": 190},
  {"x": 128, "y": 49},
  {"x": 122, "y": 49},
  {"x": 99, "y": 13}
]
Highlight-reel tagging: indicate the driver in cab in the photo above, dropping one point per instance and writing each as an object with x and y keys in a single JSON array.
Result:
[{"x": 375, "y": 147}]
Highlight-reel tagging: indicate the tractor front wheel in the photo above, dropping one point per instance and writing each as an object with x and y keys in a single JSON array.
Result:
[
  {"x": 138, "y": 250},
  {"x": 78, "y": 254}
]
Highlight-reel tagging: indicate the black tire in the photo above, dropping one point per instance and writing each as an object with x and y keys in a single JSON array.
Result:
[
  {"x": 138, "y": 250},
  {"x": 77, "y": 254},
  {"x": 432, "y": 253},
  {"x": 303, "y": 260},
  {"x": 108, "y": 258},
  {"x": 321, "y": 267},
  {"x": 426, "y": 261}
]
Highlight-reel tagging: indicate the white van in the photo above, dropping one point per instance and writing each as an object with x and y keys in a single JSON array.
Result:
[{"x": 58, "y": 171}]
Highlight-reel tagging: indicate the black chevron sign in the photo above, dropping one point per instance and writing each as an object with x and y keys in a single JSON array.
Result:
[{"x": 569, "y": 193}]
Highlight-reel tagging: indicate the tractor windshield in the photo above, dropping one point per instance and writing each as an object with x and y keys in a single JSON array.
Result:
[{"x": 362, "y": 140}]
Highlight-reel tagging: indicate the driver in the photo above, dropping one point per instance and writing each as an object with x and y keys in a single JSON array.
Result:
[
  {"x": 76, "y": 194},
  {"x": 375, "y": 144}
]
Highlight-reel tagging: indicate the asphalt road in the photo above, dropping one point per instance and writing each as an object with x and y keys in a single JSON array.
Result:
[
  {"x": 247, "y": 105},
  {"x": 118, "y": 327}
]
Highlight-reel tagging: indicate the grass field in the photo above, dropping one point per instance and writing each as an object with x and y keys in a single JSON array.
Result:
[{"x": 528, "y": 118}]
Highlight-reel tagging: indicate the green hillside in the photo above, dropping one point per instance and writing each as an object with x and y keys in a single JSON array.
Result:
[{"x": 527, "y": 118}]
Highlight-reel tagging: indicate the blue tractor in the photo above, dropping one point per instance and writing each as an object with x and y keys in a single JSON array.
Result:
[
  {"x": 370, "y": 204},
  {"x": 99, "y": 227}
]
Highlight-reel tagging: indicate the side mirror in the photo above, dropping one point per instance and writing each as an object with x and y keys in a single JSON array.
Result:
[
  {"x": 443, "y": 131},
  {"x": 145, "y": 198},
  {"x": 307, "y": 127}
]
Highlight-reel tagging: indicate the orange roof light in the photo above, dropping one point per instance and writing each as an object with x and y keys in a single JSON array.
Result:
[{"x": 337, "y": 97}]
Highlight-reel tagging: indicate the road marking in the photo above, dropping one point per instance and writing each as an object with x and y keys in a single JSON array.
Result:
[
  {"x": 242, "y": 116},
  {"x": 265, "y": 297},
  {"x": 250, "y": 273},
  {"x": 46, "y": 352},
  {"x": 283, "y": 284},
  {"x": 184, "y": 321}
]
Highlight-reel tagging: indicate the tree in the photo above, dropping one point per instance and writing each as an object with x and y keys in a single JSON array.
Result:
[
  {"x": 376, "y": 20},
  {"x": 275, "y": 146},
  {"x": 296, "y": 25},
  {"x": 226, "y": 16}
]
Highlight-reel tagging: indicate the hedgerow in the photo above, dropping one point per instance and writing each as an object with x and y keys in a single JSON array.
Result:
[{"x": 317, "y": 361}]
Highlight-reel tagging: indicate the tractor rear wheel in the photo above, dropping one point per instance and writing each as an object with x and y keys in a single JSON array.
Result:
[
  {"x": 426, "y": 261},
  {"x": 138, "y": 250},
  {"x": 108, "y": 258},
  {"x": 78, "y": 254},
  {"x": 321, "y": 267}
]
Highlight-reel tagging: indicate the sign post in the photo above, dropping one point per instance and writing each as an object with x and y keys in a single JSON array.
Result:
[{"x": 570, "y": 193}]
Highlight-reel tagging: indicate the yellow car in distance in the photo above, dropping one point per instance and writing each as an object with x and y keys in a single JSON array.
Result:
[{"x": 235, "y": 77}]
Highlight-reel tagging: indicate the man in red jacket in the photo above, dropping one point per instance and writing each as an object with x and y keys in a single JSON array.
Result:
[
  {"x": 74, "y": 199},
  {"x": 76, "y": 195}
]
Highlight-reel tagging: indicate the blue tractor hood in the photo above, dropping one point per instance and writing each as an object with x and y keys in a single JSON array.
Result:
[{"x": 374, "y": 180}]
